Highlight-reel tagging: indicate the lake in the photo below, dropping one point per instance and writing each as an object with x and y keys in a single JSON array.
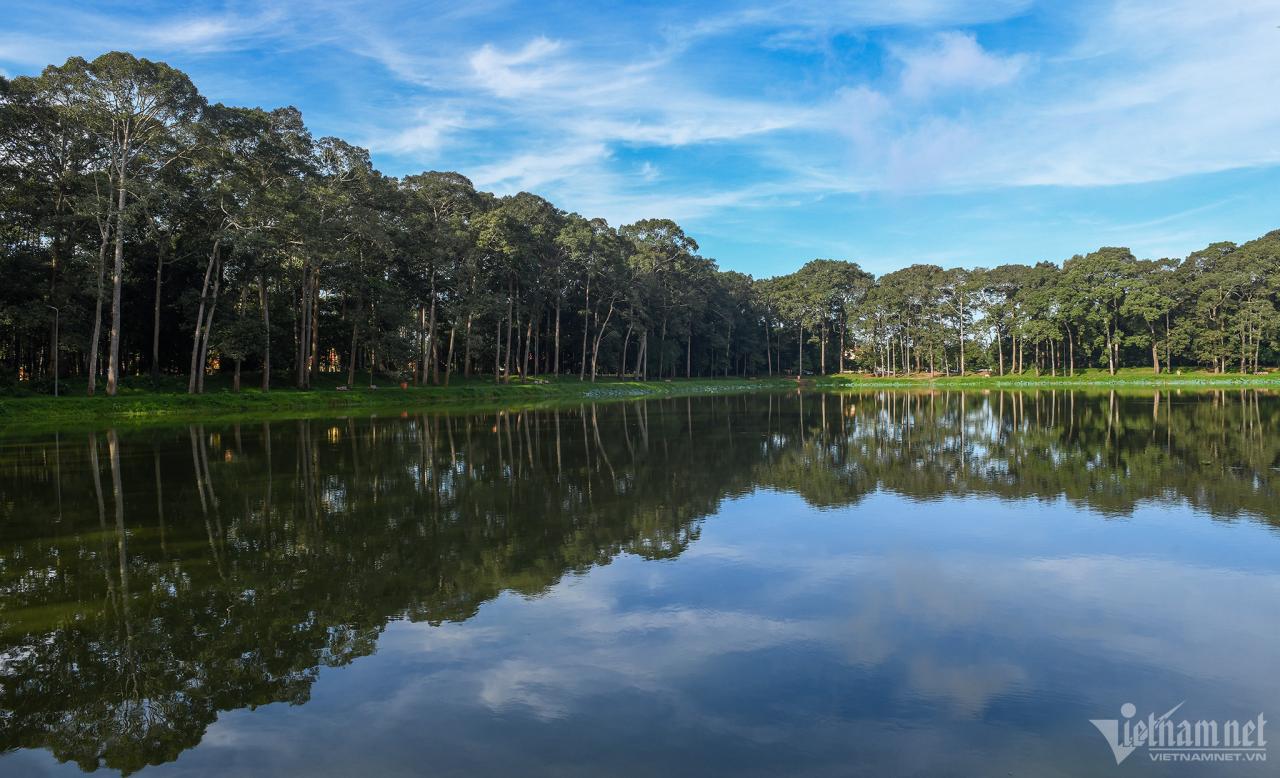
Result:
[{"x": 761, "y": 584}]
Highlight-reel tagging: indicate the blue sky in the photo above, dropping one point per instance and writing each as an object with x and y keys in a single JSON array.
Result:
[{"x": 945, "y": 131}]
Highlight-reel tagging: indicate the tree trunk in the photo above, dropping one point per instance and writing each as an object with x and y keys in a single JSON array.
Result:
[
  {"x": 497, "y": 352},
  {"x": 688, "y": 351},
  {"x": 595, "y": 349},
  {"x": 626, "y": 343},
  {"x": 506, "y": 364},
  {"x": 264, "y": 304},
  {"x": 768, "y": 349},
  {"x": 800, "y": 352},
  {"x": 155, "y": 317},
  {"x": 555, "y": 357},
  {"x": 642, "y": 356},
  {"x": 208, "y": 327},
  {"x": 466, "y": 355},
  {"x": 420, "y": 365},
  {"x": 304, "y": 326},
  {"x": 822, "y": 350},
  {"x": 1168, "y": 359},
  {"x": 430, "y": 351},
  {"x": 840, "y": 359},
  {"x": 313, "y": 363},
  {"x": 117, "y": 281},
  {"x": 1111, "y": 353},
  {"x": 355, "y": 340},
  {"x": 448, "y": 360},
  {"x": 1071, "y": 351},
  {"x": 1155, "y": 350},
  {"x": 586, "y": 321},
  {"x": 528, "y": 338},
  {"x": 196, "y": 338},
  {"x": 96, "y": 340}
]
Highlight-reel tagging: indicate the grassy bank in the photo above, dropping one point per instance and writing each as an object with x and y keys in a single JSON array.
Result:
[{"x": 140, "y": 401}]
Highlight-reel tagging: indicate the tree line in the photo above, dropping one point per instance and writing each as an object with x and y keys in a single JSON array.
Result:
[{"x": 145, "y": 231}]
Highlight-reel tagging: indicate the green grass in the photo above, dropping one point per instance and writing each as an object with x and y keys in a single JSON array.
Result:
[{"x": 140, "y": 401}]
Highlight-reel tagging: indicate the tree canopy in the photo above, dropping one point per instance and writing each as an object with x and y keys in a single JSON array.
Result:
[{"x": 209, "y": 238}]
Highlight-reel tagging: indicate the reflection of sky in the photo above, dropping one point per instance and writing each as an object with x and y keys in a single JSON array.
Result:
[{"x": 966, "y": 636}]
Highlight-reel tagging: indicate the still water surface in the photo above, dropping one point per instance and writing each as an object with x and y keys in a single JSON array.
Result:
[{"x": 761, "y": 584}]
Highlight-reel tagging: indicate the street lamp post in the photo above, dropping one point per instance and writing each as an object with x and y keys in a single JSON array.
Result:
[{"x": 55, "y": 350}]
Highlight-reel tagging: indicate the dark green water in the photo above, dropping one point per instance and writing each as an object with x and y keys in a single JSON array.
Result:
[{"x": 764, "y": 584}]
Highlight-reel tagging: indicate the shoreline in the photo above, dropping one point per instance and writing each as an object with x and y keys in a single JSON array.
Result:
[{"x": 136, "y": 405}]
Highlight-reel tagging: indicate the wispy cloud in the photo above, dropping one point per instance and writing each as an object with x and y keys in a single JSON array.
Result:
[
  {"x": 708, "y": 110},
  {"x": 510, "y": 74}
]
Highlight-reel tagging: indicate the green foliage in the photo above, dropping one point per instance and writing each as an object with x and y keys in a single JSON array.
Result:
[{"x": 232, "y": 237}]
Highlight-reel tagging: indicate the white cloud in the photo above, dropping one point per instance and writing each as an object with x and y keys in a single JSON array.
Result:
[
  {"x": 516, "y": 73},
  {"x": 427, "y": 137},
  {"x": 955, "y": 61},
  {"x": 1124, "y": 91},
  {"x": 531, "y": 170},
  {"x": 798, "y": 20}
]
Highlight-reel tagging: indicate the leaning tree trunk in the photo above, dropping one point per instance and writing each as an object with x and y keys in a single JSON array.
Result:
[
  {"x": 595, "y": 350},
  {"x": 196, "y": 365},
  {"x": 355, "y": 341},
  {"x": 208, "y": 328}
]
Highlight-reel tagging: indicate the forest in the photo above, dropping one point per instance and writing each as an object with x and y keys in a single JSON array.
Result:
[{"x": 145, "y": 232}]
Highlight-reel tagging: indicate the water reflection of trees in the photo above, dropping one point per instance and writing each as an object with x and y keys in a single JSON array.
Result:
[
  {"x": 150, "y": 579},
  {"x": 1104, "y": 451}
]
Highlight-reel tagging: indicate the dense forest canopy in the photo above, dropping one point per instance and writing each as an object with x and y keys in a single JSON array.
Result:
[{"x": 145, "y": 231}]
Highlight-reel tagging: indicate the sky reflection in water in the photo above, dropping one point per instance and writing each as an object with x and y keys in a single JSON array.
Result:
[{"x": 928, "y": 584}]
